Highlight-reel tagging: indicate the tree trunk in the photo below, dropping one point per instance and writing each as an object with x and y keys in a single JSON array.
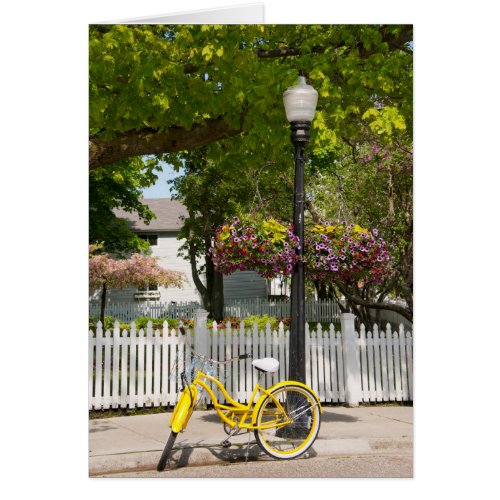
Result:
[
  {"x": 103, "y": 304},
  {"x": 218, "y": 296},
  {"x": 390, "y": 196},
  {"x": 321, "y": 290},
  {"x": 212, "y": 295}
]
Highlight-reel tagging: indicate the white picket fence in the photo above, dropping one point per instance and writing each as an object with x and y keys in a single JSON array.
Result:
[
  {"x": 386, "y": 364},
  {"x": 133, "y": 369},
  {"x": 315, "y": 310},
  {"x": 129, "y": 311}
]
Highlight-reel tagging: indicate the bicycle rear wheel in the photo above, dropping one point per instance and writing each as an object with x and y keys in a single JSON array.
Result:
[
  {"x": 166, "y": 452},
  {"x": 283, "y": 440}
]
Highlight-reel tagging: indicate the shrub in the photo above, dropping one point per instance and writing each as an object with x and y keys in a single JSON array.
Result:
[
  {"x": 109, "y": 322},
  {"x": 142, "y": 322},
  {"x": 261, "y": 321}
]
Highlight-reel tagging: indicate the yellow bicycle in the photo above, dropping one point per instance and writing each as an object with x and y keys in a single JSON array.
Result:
[{"x": 285, "y": 419}]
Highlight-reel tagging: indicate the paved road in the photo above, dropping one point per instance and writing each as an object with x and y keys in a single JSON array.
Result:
[{"x": 328, "y": 467}]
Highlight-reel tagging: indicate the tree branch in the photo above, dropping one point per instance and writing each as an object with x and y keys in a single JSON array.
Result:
[
  {"x": 393, "y": 41},
  {"x": 194, "y": 271},
  {"x": 314, "y": 213},
  {"x": 374, "y": 305},
  {"x": 149, "y": 141}
]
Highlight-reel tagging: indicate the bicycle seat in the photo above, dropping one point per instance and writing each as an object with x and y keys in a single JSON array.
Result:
[{"x": 269, "y": 365}]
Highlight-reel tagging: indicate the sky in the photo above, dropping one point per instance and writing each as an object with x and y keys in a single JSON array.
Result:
[{"x": 161, "y": 188}]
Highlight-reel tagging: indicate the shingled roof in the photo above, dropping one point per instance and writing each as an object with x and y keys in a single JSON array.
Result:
[{"x": 168, "y": 215}]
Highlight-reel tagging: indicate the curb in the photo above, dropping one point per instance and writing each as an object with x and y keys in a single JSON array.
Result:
[{"x": 183, "y": 456}]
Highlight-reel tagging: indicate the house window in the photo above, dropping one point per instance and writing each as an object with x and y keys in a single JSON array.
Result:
[
  {"x": 149, "y": 292},
  {"x": 152, "y": 239},
  {"x": 149, "y": 288}
]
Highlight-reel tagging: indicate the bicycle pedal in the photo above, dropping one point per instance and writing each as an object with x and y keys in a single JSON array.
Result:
[{"x": 226, "y": 444}]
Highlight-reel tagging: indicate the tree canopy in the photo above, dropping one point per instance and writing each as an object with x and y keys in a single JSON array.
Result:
[{"x": 162, "y": 89}]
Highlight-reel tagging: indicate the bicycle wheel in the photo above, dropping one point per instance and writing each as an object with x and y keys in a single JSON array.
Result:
[
  {"x": 166, "y": 452},
  {"x": 288, "y": 440}
]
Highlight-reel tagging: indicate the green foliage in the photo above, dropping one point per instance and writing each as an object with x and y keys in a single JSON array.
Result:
[
  {"x": 109, "y": 323},
  {"x": 371, "y": 182},
  {"x": 261, "y": 321},
  {"x": 153, "y": 78},
  {"x": 119, "y": 186},
  {"x": 141, "y": 322}
]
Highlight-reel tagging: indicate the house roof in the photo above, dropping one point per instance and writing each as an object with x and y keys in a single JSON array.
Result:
[{"x": 168, "y": 215}]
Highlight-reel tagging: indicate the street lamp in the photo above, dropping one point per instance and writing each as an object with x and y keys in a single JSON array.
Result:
[{"x": 300, "y": 105}]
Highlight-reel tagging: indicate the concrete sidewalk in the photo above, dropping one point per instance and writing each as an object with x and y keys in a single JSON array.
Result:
[{"x": 123, "y": 444}]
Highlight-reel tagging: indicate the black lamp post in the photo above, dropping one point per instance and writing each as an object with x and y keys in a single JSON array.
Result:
[{"x": 300, "y": 105}]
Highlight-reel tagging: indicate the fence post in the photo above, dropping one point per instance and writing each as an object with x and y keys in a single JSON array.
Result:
[
  {"x": 201, "y": 343},
  {"x": 352, "y": 369}
]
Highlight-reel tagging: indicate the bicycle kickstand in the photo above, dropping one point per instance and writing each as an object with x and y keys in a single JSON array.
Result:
[{"x": 226, "y": 443}]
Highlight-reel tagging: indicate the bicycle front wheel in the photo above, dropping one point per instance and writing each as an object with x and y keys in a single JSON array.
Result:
[
  {"x": 288, "y": 429},
  {"x": 166, "y": 452}
]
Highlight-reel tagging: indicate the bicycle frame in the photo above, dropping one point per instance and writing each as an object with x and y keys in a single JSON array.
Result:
[{"x": 246, "y": 414}]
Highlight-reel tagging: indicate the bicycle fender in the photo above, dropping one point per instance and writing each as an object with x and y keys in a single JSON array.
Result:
[
  {"x": 284, "y": 383},
  {"x": 183, "y": 409}
]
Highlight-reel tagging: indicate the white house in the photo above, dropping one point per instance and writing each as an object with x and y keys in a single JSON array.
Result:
[{"x": 161, "y": 233}]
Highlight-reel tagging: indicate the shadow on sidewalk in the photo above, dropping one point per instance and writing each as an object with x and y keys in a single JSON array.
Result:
[
  {"x": 337, "y": 417},
  {"x": 102, "y": 426},
  {"x": 211, "y": 417},
  {"x": 180, "y": 456}
]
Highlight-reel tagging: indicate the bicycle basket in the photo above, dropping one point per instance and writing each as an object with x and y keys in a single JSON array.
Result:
[{"x": 188, "y": 364}]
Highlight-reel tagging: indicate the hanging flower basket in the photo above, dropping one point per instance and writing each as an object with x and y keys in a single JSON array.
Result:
[
  {"x": 255, "y": 243},
  {"x": 347, "y": 251}
]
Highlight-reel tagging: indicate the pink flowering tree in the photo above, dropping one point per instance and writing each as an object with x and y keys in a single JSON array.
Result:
[{"x": 138, "y": 270}]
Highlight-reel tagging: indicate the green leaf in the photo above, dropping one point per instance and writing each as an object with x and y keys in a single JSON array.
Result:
[
  {"x": 207, "y": 52},
  {"x": 370, "y": 112}
]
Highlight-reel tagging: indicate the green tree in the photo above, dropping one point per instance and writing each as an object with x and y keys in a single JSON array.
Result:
[
  {"x": 119, "y": 186},
  {"x": 371, "y": 183},
  {"x": 212, "y": 192}
]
